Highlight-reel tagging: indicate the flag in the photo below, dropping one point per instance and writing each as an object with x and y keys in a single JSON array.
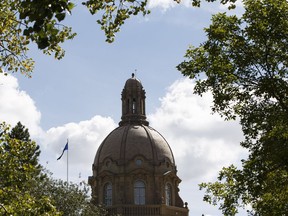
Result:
[{"x": 65, "y": 148}]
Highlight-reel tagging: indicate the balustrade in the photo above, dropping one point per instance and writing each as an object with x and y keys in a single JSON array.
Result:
[{"x": 146, "y": 210}]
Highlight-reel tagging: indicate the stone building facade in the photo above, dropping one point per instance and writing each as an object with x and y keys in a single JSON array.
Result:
[{"x": 134, "y": 171}]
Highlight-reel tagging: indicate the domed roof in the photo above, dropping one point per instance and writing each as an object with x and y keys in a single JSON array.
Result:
[
  {"x": 134, "y": 137},
  {"x": 136, "y": 162},
  {"x": 133, "y": 83},
  {"x": 126, "y": 142}
]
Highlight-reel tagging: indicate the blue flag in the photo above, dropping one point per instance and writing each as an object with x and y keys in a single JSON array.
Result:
[{"x": 65, "y": 148}]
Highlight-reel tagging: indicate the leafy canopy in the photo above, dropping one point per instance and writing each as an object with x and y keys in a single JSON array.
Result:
[
  {"x": 70, "y": 199},
  {"x": 27, "y": 189},
  {"x": 23, "y": 22},
  {"x": 244, "y": 64},
  {"x": 19, "y": 174}
]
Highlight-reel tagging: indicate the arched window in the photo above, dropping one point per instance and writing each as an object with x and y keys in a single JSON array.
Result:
[
  {"x": 139, "y": 193},
  {"x": 108, "y": 194},
  {"x": 134, "y": 106},
  {"x": 127, "y": 106},
  {"x": 168, "y": 194}
]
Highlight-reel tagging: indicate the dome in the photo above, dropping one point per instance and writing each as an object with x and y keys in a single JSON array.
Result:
[
  {"x": 134, "y": 170},
  {"x": 133, "y": 83},
  {"x": 126, "y": 142}
]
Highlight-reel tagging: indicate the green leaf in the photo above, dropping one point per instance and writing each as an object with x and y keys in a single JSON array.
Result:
[{"x": 60, "y": 16}]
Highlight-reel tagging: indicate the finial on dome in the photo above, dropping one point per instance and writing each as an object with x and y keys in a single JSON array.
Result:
[{"x": 133, "y": 74}]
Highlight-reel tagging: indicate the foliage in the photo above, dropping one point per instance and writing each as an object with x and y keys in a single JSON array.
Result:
[
  {"x": 115, "y": 13},
  {"x": 27, "y": 189},
  {"x": 197, "y": 3},
  {"x": 244, "y": 64},
  {"x": 19, "y": 173},
  {"x": 23, "y": 22},
  {"x": 21, "y": 133},
  {"x": 72, "y": 199}
]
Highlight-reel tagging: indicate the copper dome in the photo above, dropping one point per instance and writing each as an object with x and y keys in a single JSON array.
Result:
[{"x": 126, "y": 142}]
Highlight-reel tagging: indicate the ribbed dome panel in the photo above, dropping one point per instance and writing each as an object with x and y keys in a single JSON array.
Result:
[{"x": 125, "y": 142}]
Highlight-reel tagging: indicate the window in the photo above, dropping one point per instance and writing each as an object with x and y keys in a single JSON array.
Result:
[
  {"x": 142, "y": 107},
  {"x": 127, "y": 106},
  {"x": 134, "y": 106},
  {"x": 139, "y": 193},
  {"x": 138, "y": 162},
  {"x": 108, "y": 194},
  {"x": 168, "y": 194}
]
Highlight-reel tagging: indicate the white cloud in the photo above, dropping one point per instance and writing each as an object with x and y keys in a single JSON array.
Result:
[
  {"x": 163, "y": 4},
  {"x": 211, "y": 7},
  {"x": 84, "y": 140},
  {"x": 167, "y": 4},
  {"x": 16, "y": 105},
  {"x": 84, "y": 137},
  {"x": 202, "y": 143}
]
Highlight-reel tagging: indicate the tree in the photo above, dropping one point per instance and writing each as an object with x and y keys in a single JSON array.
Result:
[
  {"x": 70, "y": 199},
  {"x": 21, "y": 133},
  {"x": 25, "y": 21},
  {"x": 27, "y": 189},
  {"x": 19, "y": 173},
  {"x": 41, "y": 22},
  {"x": 244, "y": 64}
]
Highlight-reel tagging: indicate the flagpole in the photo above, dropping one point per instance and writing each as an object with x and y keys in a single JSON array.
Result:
[
  {"x": 65, "y": 149},
  {"x": 67, "y": 165}
]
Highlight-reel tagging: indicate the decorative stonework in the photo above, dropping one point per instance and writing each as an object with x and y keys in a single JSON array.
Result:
[{"x": 138, "y": 162}]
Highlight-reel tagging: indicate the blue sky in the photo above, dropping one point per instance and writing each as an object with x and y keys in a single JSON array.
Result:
[{"x": 79, "y": 97}]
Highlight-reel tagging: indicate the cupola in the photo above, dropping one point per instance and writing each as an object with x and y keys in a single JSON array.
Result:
[
  {"x": 133, "y": 103},
  {"x": 134, "y": 171}
]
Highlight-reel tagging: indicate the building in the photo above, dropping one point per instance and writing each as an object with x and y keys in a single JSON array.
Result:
[{"x": 134, "y": 171}]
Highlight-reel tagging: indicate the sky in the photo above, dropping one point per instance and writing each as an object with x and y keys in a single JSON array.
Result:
[{"x": 79, "y": 97}]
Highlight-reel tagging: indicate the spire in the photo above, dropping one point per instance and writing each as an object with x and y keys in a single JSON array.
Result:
[{"x": 133, "y": 103}]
